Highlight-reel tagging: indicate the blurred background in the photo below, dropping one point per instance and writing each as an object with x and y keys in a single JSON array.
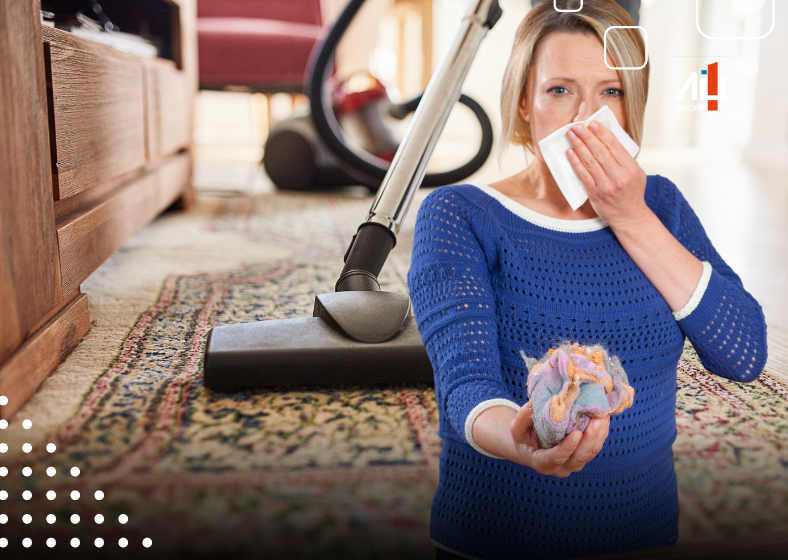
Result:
[{"x": 387, "y": 39}]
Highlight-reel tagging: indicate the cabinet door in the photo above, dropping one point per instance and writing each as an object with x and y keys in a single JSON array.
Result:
[
  {"x": 90, "y": 238},
  {"x": 98, "y": 105},
  {"x": 168, "y": 101}
]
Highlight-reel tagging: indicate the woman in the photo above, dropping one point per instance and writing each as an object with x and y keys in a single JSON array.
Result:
[{"x": 509, "y": 266}]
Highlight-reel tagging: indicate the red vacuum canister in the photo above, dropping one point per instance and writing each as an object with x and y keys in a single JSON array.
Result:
[
  {"x": 361, "y": 103},
  {"x": 296, "y": 159}
]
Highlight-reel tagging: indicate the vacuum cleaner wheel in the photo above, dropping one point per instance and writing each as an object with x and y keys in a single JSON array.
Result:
[{"x": 289, "y": 161}]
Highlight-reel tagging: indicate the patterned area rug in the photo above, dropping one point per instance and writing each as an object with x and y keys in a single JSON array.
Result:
[{"x": 341, "y": 473}]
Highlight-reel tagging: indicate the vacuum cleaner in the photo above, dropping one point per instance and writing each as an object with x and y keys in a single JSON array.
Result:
[
  {"x": 295, "y": 158},
  {"x": 300, "y": 157},
  {"x": 358, "y": 335}
]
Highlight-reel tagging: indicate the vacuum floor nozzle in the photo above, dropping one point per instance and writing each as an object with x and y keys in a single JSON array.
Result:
[{"x": 323, "y": 350}]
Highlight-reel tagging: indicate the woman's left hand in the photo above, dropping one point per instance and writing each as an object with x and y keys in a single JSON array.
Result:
[{"x": 614, "y": 181}]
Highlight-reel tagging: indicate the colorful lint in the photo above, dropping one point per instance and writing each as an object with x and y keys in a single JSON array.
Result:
[{"x": 571, "y": 385}]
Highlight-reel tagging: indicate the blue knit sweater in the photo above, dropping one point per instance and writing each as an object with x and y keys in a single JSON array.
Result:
[{"x": 489, "y": 278}]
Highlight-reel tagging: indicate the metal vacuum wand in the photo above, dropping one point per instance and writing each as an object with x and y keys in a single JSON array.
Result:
[
  {"x": 410, "y": 163},
  {"x": 365, "y": 258},
  {"x": 358, "y": 335}
]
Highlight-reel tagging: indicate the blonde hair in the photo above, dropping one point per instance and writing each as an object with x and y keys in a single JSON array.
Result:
[{"x": 625, "y": 47}]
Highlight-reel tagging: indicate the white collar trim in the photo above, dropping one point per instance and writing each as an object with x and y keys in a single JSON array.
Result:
[{"x": 557, "y": 224}]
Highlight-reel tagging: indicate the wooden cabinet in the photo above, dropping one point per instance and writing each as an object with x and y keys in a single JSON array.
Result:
[
  {"x": 94, "y": 144},
  {"x": 88, "y": 238},
  {"x": 166, "y": 92},
  {"x": 97, "y": 97}
]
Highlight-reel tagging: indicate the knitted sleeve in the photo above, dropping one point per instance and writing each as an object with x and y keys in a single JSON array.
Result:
[
  {"x": 454, "y": 305},
  {"x": 722, "y": 320}
]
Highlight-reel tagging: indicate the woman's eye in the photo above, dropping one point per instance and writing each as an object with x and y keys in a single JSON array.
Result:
[
  {"x": 614, "y": 91},
  {"x": 557, "y": 88}
]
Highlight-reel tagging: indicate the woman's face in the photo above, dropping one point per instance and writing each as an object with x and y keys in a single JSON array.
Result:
[{"x": 569, "y": 83}]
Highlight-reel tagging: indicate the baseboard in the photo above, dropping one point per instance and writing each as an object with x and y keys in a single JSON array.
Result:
[{"x": 38, "y": 357}]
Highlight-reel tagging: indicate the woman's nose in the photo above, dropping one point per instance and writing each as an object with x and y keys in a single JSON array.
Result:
[{"x": 585, "y": 110}]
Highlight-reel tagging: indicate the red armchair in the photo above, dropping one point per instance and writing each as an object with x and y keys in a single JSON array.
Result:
[{"x": 261, "y": 44}]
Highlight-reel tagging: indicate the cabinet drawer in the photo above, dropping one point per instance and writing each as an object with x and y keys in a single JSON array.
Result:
[
  {"x": 97, "y": 112},
  {"x": 168, "y": 109},
  {"x": 87, "y": 240}
]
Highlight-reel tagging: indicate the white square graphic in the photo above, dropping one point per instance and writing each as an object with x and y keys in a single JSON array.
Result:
[
  {"x": 604, "y": 52},
  {"x": 565, "y": 11},
  {"x": 697, "y": 25}
]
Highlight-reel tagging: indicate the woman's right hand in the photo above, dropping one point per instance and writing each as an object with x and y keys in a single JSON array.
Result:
[{"x": 569, "y": 456}]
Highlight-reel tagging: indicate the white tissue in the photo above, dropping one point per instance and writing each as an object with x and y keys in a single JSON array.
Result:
[{"x": 554, "y": 149}]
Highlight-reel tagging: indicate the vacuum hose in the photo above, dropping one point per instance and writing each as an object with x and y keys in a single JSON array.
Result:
[{"x": 367, "y": 168}]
